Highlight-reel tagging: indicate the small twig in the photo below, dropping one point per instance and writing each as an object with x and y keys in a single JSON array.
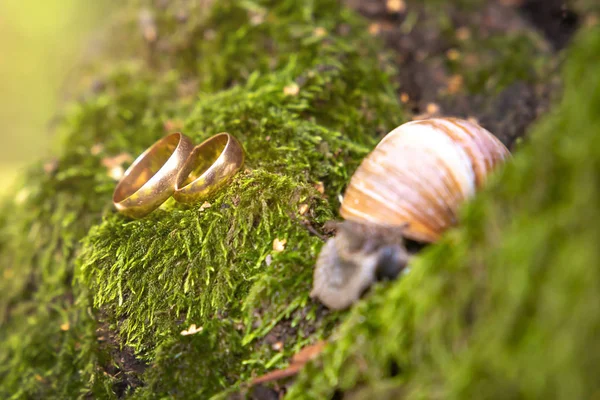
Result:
[
  {"x": 312, "y": 230},
  {"x": 298, "y": 361},
  {"x": 278, "y": 374},
  {"x": 308, "y": 227}
]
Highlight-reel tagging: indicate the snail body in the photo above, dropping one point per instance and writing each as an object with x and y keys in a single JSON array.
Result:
[
  {"x": 410, "y": 186},
  {"x": 359, "y": 255}
]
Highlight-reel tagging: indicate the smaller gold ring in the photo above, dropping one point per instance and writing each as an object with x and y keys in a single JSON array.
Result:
[
  {"x": 151, "y": 179},
  {"x": 210, "y": 167}
]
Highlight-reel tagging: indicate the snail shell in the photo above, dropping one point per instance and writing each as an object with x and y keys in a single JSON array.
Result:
[{"x": 420, "y": 174}]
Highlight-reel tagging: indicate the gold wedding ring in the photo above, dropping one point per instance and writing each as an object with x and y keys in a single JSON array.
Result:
[
  {"x": 151, "y": 179},
  {"x": 208, "y": 168}
]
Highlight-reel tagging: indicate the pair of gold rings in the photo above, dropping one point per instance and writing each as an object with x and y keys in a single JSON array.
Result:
[{"x": 174, "y": 167}]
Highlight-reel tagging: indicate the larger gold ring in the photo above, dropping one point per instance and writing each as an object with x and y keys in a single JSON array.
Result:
[
  {"x": 151, "y": 179},
  {"x": 210, "y": 166}
]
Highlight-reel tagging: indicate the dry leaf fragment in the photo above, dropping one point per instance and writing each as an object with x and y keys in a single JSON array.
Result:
[
  {"x": 302, "y": 209},
  {"x": 173, "y": 125},
  {"x": 374, "y": 28},
  {"x": 257, "y": 17},
  {"x": 455, "y": 83},
  {"x": 453, "y": 54},
  {"x": 473, "y": 120},
  {"x": 97, "y": 149},
  {"x": 238, "y": 326},
  {"x": 432, "y": 108},
  {"x": 148, "y": 25},
  {"x": 309, "y": 352},
  {"x": 116, "y": 173},
  {"x": 205, "y": 205},
  {"x": 116, "y": 161},
  {"x": 277, "y": 346},
  {"x": 279, "y": 245},
  {"x": 50, "y": 166},
  {"x": 291, "y": 90},
  {"x": 191, "y": 330},
  {"x": 320, "y": 31},
  {"x": 463, "y": 33},
  {"x": 320, "y": 187},
  {"x": 395, "y": 6}
]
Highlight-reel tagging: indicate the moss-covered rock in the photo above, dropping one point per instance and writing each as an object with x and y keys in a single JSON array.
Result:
[
  {"x": 87, "y": 312},
  {"x": 93, "y": 304}
]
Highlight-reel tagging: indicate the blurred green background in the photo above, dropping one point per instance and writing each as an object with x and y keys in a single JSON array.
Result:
[{"x": 41, "y": 44}]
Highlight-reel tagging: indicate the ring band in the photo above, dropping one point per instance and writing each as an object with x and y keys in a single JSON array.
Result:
[
  {"x": 151, "y": 179},
  {"x": 208, "y": 168}
]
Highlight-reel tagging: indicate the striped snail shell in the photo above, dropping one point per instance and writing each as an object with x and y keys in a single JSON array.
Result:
[
  {"x": 410, "y": 186},
  {"x": 420, "y": 174}
]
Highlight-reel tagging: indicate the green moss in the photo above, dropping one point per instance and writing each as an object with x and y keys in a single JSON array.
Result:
[
  {"x": 133, "y": 286},
  {"x": 506, "y": 305},
  {"x": 38, "y": 247}
]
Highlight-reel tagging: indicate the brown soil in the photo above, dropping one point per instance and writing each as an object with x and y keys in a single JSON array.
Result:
[{"x": 420, "y": 77}]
